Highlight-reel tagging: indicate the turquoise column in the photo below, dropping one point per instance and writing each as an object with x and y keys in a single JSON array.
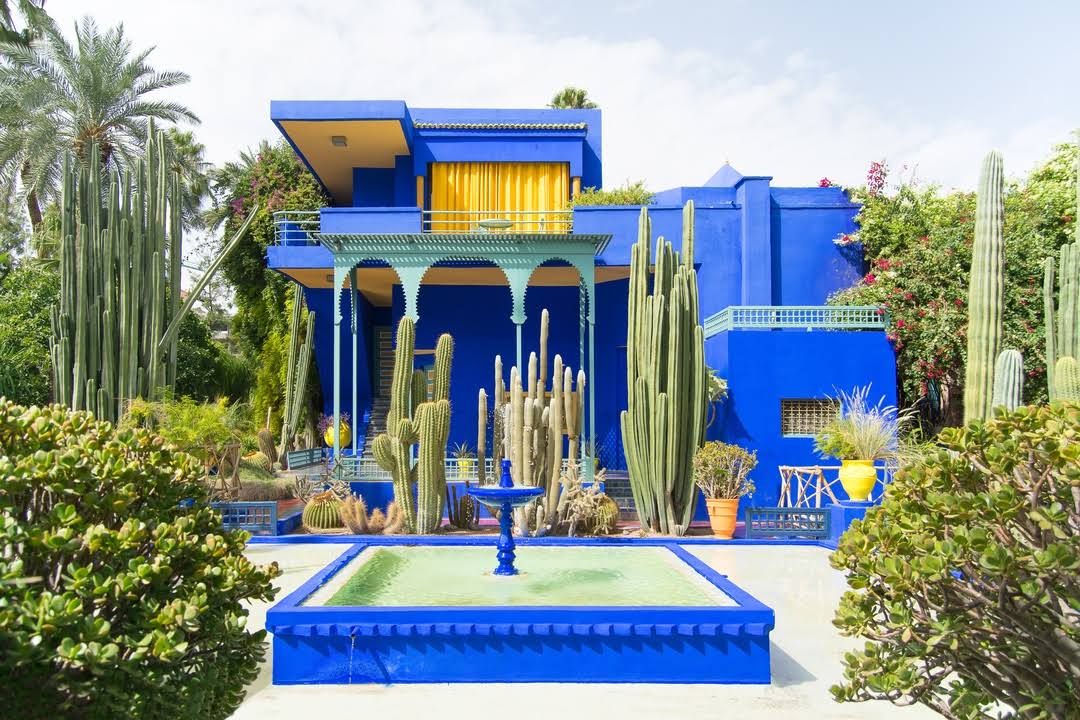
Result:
[
  {"x": 354, "y": 295},
  {"x": 339, "y": 280}
]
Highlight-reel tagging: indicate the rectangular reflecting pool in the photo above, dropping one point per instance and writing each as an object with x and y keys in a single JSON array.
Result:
[{"x": 397, "y": 612}]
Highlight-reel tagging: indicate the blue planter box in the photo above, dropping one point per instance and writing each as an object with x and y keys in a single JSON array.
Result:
[{"x": 258, "y": 517}]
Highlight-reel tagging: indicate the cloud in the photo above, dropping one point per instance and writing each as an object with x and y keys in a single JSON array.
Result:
[{"x": 672, "y": 115}]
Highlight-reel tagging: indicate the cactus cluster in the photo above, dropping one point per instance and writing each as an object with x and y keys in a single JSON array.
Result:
[
  {"x": 664, "y": 423},
  {"x": 322, "y": 512},
  {"x": 355, "y": 517},
  {"x": 985, "y": 291},
  {"x": 114, "y": 330},
  {"x": 1062, "y": 322},
  {"x": 296, "y": 372},
  {"x": 415, "y": 417},
  {"x": 265, "y": 439},
  {"x": 258, "y": 460},
  {"x": 1009, "y": 380},
  {"x": 1067, "y": 379},
  {"x": 529, "y": 426}
]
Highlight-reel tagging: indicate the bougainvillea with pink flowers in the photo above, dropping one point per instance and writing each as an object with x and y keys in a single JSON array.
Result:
[{"x": 917, "y": 241}]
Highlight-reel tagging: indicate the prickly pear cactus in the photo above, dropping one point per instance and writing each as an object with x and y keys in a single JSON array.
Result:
[{"x": 322, "y": 512}]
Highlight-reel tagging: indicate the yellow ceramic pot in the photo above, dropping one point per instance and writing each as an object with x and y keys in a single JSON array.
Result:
[
  {"x": 465, "y": 467},
  {"x": 346, "y": 435},
  {"x": 858, "y": 478},
  {"x": 722, "y": 515}
]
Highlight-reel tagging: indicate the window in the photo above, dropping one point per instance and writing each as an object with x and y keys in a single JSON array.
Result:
[{"x": 806, "y": 417}]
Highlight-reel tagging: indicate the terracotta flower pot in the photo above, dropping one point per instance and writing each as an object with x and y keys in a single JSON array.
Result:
[
  {"x": 722, "y": 515},
  {"x": 858, "y": 478}
]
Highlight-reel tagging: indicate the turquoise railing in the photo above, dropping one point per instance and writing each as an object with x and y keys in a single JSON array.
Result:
[
  {"x": 796, "y": 317},
  {"x": 294, "y": 227}
]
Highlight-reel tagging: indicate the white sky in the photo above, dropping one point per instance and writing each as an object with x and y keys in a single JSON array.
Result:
[{"x": 790, "y": 89}]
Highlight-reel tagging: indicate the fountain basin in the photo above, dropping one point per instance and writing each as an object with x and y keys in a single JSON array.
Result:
[{"x": 404, "y": 612}]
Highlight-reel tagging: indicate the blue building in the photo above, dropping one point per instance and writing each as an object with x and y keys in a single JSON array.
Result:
[{"x": 460, "y": 218}]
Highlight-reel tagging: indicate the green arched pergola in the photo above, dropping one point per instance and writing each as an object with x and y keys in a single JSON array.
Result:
[{"x": 518, "y": 255}]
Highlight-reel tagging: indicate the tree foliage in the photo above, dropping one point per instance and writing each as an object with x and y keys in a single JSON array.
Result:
[
  {"x": 26, "y": 294},
  {"x": 119, "y": 598},
  {"x": 60, "y": 97},
  {"x": 205, "y": 369},
  {"x": 572, "y": 98},
  {"x": 632, "y": 193},
  {"x": 965, "y": 580},
  {"x": 276, "y": 180},
  {"x": 917, "y": 242}
]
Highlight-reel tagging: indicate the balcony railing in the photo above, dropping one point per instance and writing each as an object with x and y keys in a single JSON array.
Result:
[
  {"x": 365, "y": 468},
  {"x": 535, "y": 222},
  {"x": 294, "y": 227},
  {"x": 797, "y": 317}
]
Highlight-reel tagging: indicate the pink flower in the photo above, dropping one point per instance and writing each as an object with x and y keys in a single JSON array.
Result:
[
  {"x": 958, "y": 302},
  {"x": 900, "y": 323},
  {"x": 908, "y": 296},
  {"x": 870, "y": 278},
  {"x": 825, "y": 182}
]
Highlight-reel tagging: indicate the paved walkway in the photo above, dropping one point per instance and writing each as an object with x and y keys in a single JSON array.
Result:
[{"x": 796, "y": 582}]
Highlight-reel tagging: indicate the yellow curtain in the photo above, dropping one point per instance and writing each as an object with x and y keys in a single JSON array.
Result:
[{"x": 521, "y": 192}]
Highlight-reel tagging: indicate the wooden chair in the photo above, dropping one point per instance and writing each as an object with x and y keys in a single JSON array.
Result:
[{"x": 808, "y": 482}]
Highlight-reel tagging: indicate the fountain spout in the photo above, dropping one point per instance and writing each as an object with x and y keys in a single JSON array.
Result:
[{"x": 504, "y": 499}]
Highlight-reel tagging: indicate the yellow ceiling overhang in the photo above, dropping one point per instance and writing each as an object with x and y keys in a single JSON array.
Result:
[
  {"x": 377, "y": 283},
  {"x": 369, "y": 144}
]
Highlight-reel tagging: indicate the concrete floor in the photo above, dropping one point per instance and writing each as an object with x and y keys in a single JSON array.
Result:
[{"x": 796, "y": 582}]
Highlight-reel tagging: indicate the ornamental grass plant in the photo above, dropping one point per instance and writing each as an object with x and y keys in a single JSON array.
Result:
[{"x": 862, "y": 431}]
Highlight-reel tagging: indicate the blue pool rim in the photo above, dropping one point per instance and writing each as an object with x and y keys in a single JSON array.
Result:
[{"x": 616, "y": 644}]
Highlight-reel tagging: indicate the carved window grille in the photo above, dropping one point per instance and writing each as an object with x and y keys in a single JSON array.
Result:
[{"x": 803, "y": 417}]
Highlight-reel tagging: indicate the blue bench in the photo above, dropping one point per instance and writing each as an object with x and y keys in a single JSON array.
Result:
[
  {"x": 777, "y": 522},
  {"x": 297, "y": 459}
]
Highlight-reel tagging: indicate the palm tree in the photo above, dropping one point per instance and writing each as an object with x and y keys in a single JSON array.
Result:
[
  {"x": 189, "y": 162},
  {"x": 56, "y": 98},
  {"x": 572, "y": 98},
  {"x": 33, "y": 15}
]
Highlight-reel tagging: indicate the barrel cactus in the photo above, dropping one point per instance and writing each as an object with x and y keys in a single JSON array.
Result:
[
  {"x": 606, "y": 517},
  {"x": 1067, "y": 380},
  {"x": 258, "y": 460},
  {"x": 985, "y": 291},
  {"x": 664, "y": 423},
  {"x": 1009, "y": 379},
  {"x": 322, "y": 512}
]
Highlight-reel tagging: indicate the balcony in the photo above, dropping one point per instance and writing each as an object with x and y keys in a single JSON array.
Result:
[
  {"x": 302, "y": 227},
  {"x": 795, "y": 317}
]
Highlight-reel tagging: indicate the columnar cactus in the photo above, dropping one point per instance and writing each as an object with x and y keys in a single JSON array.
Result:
[
  {"x": 529, "y": 427},
  {"x": 1067, "y": 379},
  {"x": 296, "y": 373},
  {"x": 1009, "y": 380},
  {"x": 1062, "y": 325},
  {"x": 429, "y": 425},
  {"x": 664, "y": 423},
  {"x": 985, "y": 291},
  {"x": 114, "y": 329}
]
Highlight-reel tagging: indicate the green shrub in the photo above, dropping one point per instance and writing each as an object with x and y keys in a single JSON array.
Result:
[
  {"x": 26, "y": 295},
  {"x": 201, "y": 429},
  {"x": 965, "y": 580},
  {"x": 722, "y": 470},
  {"x": 629, "y": 194},
  {"x": 117, "y": 601}
]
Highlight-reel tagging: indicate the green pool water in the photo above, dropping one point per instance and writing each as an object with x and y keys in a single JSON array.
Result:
[{"x": 461, "y": 576}]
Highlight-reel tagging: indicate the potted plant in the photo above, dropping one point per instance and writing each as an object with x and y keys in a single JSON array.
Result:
[
  {"x": 466, "y": 459},
  {"x": 722, "y": 471},
  {"x": 326, "y": 427},
  {"x": 859, "y": 435}
]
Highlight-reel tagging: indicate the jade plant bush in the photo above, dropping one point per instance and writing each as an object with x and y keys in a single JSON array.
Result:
[
  {"x": 119, "y": 598},
  {"x": 966, "y": 580}
]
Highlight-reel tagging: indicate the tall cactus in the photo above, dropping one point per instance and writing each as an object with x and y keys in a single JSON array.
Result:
[
  {"x": 985, "y": 291},
  {"x": 296, "y": 374},
  {"x": 114, "y": 329},
  {"x": 1009, "y": 380},
  {"x": 664, "y": 423},
  {"x": 1062, "y": 325},
  {"x": 429, "y": 425},
  {"x": 529, "y": 427}
]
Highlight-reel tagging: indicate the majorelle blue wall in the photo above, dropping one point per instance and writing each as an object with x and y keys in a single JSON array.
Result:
[
  {"x": 763, "y": 367},
  {"x": 478, "y": 318}
]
